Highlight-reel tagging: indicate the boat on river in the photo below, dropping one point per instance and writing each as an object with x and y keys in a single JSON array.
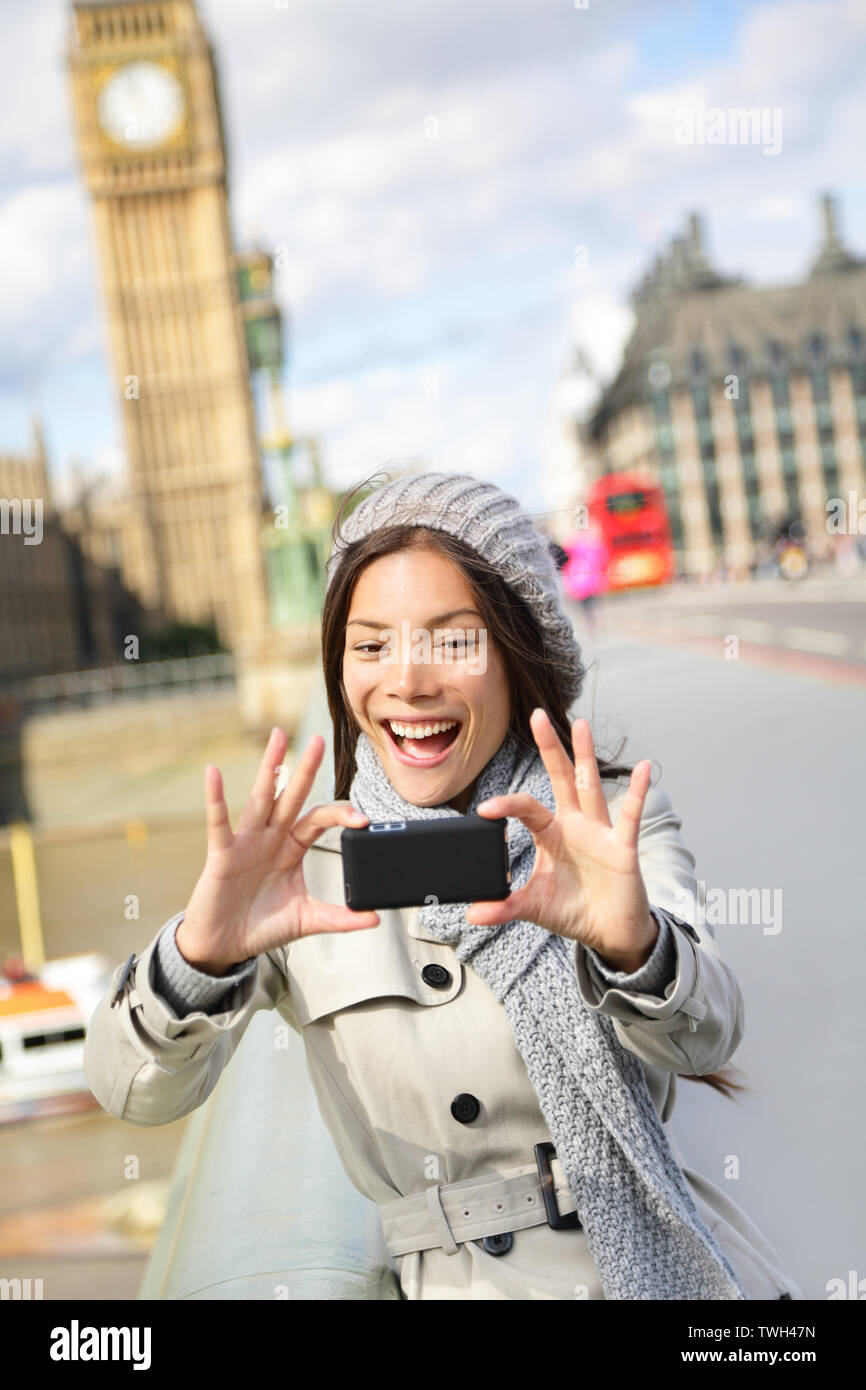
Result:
[{"x": 43, "y": 1024}]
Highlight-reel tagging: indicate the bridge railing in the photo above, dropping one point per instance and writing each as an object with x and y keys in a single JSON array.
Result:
[{"x": 100, "y": 685}]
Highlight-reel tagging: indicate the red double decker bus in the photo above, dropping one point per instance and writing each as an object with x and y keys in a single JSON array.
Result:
[{"x": 628, "y": 510}]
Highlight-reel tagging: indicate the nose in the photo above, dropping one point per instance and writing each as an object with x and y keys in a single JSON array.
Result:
[{"x": 409, "y": 672}]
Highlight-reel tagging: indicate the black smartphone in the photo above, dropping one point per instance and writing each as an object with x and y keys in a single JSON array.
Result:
[{"x": 410, "y": 863}]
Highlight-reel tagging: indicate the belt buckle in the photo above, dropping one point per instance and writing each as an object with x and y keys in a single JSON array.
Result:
[{"x": 555, "y": 1218}]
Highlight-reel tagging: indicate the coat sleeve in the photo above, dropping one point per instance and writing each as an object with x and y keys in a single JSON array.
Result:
[
  {"x": 150, "y": 1061},
  {"x": 683, "y": 1010}
]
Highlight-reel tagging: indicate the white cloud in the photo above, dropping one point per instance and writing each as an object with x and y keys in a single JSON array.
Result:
[
  {"x": 35, "y": 136},
  {"x": 45, "y": 256}
]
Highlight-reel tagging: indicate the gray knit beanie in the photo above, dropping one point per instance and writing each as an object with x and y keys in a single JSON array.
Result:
[{"x": 493, "y": 524}]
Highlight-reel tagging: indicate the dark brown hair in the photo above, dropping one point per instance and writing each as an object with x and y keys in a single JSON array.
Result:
[{"x": 531, "y": 671}]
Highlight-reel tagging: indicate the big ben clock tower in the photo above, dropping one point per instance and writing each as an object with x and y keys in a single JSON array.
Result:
[{"x": 149, "y": 131}]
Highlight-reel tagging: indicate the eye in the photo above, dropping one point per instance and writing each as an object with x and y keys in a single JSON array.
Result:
[
  {"x": 377, "y": 649},
  {"x": 456, "y": 644}
]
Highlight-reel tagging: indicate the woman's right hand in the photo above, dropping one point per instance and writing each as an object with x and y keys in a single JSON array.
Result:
[{"x": 251, "y": 895}]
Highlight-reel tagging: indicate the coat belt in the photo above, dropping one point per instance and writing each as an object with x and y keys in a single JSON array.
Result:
[{"x": 449, "y": 1214}]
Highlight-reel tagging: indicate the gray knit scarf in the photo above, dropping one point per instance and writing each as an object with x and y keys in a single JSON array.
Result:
[{"x": 641, "y": 1224}]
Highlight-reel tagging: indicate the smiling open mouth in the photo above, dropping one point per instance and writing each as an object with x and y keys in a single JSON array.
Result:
[{"x": 423, "y": 741}]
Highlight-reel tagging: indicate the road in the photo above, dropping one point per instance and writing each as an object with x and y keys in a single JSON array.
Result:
[
  {"x": 802, "y": 626},
  {"x": 763, "y": 755}
]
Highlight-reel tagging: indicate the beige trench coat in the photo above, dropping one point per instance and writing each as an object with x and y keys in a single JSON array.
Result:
[{"x": 388, "y": 1053}]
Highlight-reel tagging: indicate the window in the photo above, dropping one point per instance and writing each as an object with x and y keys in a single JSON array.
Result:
[
  {"x": 743, "y": 406},
  {"x": 633, "y": 538},
  {"x": 706, "y": 437},
  {"x": 792, "y": 495},
  {"x": 47, "y": 1039},
  {"x": 668, "y": 472},
  {"x": 775, "y": 354},
  {"x": 820, "y": 389},
  {"x": 715, "y": 513},
  {"x": 625, "y": 503},
  {"x": 665, "y": 439},
  {"x": 816, "y": 347},
  {"x": 779, "y": 385}
]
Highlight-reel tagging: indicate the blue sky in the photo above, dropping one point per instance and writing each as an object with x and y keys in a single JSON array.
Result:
[{"x": 431, "y": 288}]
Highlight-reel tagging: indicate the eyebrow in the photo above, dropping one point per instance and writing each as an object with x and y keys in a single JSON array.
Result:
[{"x": 431, "y": 622}]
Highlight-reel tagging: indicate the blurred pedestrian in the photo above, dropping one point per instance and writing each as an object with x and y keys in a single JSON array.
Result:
[
  {"x": 560, "y": 556},
  {"x": 584, "y": 576}
]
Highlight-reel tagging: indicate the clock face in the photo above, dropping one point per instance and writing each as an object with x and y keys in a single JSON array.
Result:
[{"x": 141, "y": 105}]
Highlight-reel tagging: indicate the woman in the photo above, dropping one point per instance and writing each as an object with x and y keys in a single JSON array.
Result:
[{"x": 500, "y": 1078}]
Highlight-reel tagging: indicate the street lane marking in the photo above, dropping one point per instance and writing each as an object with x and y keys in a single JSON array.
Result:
[
  {"x": 812, "y": 639},
  {"x": 751, "y": 629},
  {"x": 822, "y": 666}
]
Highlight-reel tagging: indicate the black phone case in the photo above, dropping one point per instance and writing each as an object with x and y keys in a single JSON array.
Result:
[{"x": 407, "y": 863}]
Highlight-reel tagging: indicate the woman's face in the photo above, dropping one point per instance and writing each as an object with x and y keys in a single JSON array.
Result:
[{"x": 425, "y": 675}]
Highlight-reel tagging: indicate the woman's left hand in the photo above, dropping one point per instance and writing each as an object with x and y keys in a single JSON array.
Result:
[{"x": 585, "y": 883}]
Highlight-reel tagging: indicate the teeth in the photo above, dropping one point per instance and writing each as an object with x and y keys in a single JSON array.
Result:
[{"x": 421, "y": 730}]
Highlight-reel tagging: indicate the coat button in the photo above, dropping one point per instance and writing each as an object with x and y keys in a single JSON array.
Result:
[
  {"x": 465, "y": 1108},
  {"x": 498, "y": 1245},
  {"x": 437, "y": 976}
]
